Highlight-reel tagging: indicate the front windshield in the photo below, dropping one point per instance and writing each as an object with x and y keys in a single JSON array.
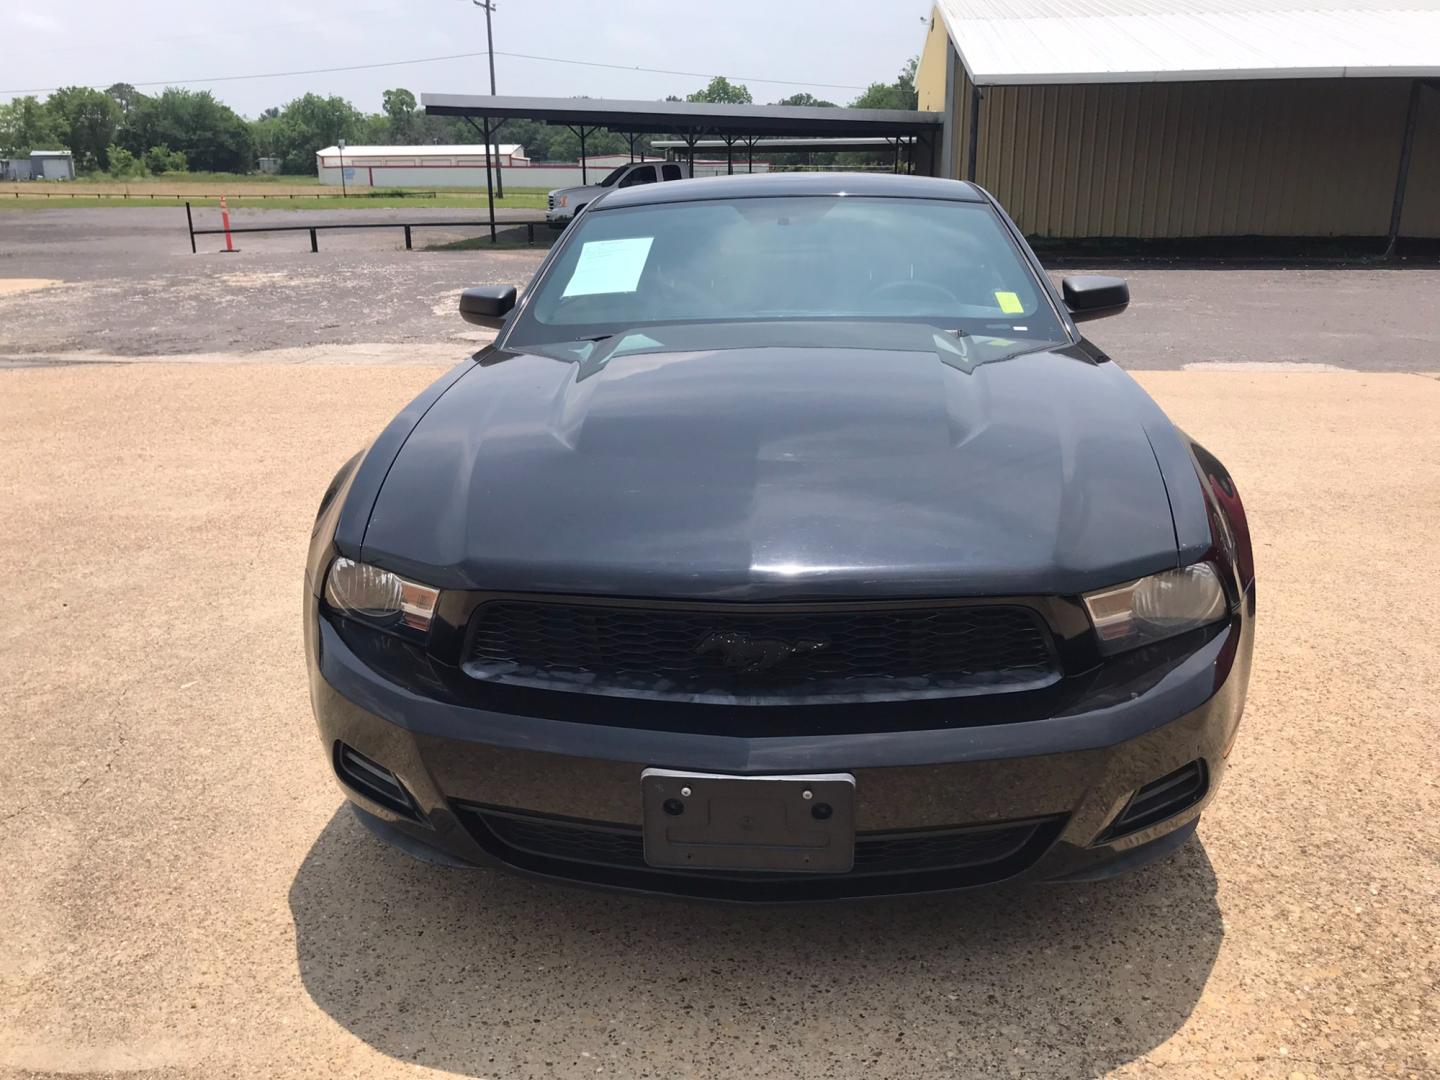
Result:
[
  {"x": 613, "y": 175},
  {"x": 947, "y": 264}
]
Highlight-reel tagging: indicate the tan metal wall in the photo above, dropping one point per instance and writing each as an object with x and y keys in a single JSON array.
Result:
[
  {"x": 930, "y": 72},
  {"x": 1293, "y": 157},
  {"x": 1422, "y": 190}
]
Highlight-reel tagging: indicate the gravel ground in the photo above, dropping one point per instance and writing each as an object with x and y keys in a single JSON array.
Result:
[
  {"x": 186, "y": 895},
  {"x": 129, "y": 287}
]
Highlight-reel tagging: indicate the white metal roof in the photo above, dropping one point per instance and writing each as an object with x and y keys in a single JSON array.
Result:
[
  {"x": 422, "y": 150},
  {"x": 1094, "y": 41}
]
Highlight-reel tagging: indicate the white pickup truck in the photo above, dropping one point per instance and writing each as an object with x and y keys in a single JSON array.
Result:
[{"x": 565, "y": 203}]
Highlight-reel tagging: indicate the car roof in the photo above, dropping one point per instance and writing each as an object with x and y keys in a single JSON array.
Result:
[{"x": 758, "y": 185}]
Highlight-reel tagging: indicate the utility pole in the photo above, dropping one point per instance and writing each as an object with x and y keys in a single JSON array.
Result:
[
  {"x": 489, "y": 6},
  {"x": 340, "y": 145}
]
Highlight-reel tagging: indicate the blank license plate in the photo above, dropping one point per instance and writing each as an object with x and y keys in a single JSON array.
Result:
[{"x": 790, "y": 824}]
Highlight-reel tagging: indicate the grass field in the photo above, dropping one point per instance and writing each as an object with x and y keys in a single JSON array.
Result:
[
  {"x": 275, "y": 192},
  {"x": 175, "y": 184},
  {"x": 514, "y": 200}
]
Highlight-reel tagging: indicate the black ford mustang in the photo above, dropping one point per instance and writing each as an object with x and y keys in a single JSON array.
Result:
[{"x": 789, "y": 543}]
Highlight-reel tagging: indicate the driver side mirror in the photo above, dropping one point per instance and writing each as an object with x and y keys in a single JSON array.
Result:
[
  {"x": 1093, "y": 296},
  {"x": 487, "y": 305}
]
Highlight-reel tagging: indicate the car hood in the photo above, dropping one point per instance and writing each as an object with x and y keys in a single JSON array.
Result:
[{"x": 779, "y": 471}]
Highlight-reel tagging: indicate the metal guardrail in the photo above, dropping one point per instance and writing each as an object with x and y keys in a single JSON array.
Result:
[{"x": 314, "y": 230}]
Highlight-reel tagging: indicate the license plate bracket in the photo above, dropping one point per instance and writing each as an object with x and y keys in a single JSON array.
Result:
[{"x": 780, "y": 824}]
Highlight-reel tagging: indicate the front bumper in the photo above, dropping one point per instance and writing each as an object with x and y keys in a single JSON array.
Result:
[{"x": 1032, "y": 800}]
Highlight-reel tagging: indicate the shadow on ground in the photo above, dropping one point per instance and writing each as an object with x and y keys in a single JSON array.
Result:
[{"x": 483, "y": 973}]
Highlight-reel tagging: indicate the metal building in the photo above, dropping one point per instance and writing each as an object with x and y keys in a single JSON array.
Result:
[
  {"x": 49, "y": 165},
  {"x": 1187, "y": 118},
  {"x": 414, "y": 166}
]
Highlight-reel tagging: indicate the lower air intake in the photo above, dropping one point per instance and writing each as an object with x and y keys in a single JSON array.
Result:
[
  {"x": 1160, "y": 799},
  {"x": 614, "y": 854},
  {"x": 374, "y": 781}
]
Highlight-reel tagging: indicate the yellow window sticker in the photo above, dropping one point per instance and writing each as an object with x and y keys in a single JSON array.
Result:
[{"x": 1009, "y": 302}]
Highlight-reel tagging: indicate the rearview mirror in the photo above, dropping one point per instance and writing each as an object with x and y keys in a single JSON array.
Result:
[
  {"x": 487, "y": 305},
  {"x": 1093, "y": 296}
]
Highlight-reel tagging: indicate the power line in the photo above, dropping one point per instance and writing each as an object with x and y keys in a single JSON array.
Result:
[
  {"x": 453, "y": 56},
  {"x": 689, "y": 74}
]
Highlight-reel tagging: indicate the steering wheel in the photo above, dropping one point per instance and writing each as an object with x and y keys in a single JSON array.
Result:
[{"x": 921, "y": 290}]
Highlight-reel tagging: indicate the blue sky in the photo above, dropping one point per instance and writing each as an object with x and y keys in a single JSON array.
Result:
[{"x": 823, "y": 47}]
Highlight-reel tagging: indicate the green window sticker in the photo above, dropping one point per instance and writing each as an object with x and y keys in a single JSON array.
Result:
[
  {"x": 1009, "y": 303},
  {"x": 609, "y": 266}
]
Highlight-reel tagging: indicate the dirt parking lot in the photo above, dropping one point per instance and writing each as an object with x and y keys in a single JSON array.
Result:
[
  {"x": 127, "y": 287},
  {"x": 185, "y": 894}
]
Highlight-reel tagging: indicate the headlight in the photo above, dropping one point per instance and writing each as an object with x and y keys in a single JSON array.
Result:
[
  {"x": 378, "y": 596},
  {"x": 1159, "y": 606}
]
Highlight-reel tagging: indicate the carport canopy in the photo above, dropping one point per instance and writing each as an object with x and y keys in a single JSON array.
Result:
[
  {"x": 690, "y": 121},
  {"x": 787, "y": 146}
]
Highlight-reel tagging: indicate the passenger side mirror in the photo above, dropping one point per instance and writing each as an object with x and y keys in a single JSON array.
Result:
[
  {"x": 487, "y": 305},
  {"x": 1093, "y": 296}
]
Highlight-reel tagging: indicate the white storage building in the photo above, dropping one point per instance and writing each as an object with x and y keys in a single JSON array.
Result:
[
  {"x": 416, "y": 166},
  {"x": 464, "y": 167}
]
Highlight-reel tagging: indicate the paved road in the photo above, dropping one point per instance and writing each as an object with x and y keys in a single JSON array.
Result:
[
  {"x": 185, "y": 895},
  {"x": 129, "y": 287}
]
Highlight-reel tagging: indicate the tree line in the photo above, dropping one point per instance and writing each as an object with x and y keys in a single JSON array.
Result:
[{"x": 123, "y": 132}]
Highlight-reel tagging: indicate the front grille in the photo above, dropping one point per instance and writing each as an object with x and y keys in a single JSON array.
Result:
[
  {"x": 550, "y": 203},
  {"x": 694, "y": 651},
  {"x": 589, "y": 850}
]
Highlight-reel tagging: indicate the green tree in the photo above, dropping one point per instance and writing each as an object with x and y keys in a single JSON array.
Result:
[
  {"x": 125, "y": 96},
  {"x": 564, "y": 145},
  {"x": 399, "y": 105},
  {"x": 308, "y": 124},
  {"x": 209, "y": 134},
  {"x": 265, "y": 134},
  {"x": 722, "y": 91},
  {"x": 374, "y": 130},
  {"x": 809, "y": 100},
  {"x": 122, "y": 164},
  {"x": 85, "y": 120},
  {"x": 161, "y": 159},
  {"x": 25, "y": 125},
  {"x": 541, "y": 142},
  {"x": 897, "y": 95}
]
